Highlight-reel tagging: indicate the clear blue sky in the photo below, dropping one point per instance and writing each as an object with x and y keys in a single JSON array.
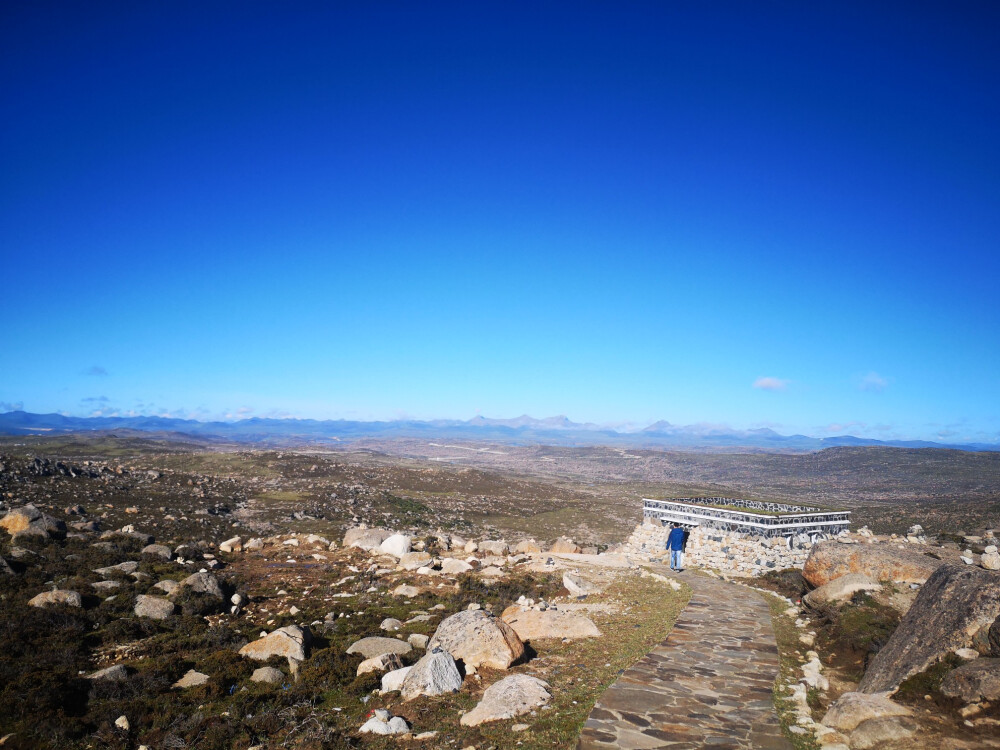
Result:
[{"x": 758, "y": 213}]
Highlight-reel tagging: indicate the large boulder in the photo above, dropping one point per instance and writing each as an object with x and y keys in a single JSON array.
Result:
[
  {"x": 365, "y": 539},
  {"x": 850, "y": 709},
  {"x": 375, "y": 646},
  {"x": 396, "y": 545},
  {"x": 29, "y": 521},
  {"x": 478, "y": 639},
  {"x": 976, "y": 681},
  {"x": 955, "y": 603},
  {"x": 158, "y": 550},
  {"x": 565, "y": 546},
  {"x": 268, "y": 675},
  {"x": 512, "y": 696},
  {"x": 57, "y": 596},
  {"x": 153, "y": 607},
  {"x": 881, "y": 733},
  {"x": 532, "y": 624},
  {"x": 435, "y": 674},
  {"x": 203, "y": 583},
  {"x": 291, "y": 642},
  {"x": 841, "y": 589},
  {"x": 830, "y": 560}
]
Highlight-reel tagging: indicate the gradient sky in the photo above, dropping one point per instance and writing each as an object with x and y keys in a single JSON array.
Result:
[{"x": 758, "y": 213}]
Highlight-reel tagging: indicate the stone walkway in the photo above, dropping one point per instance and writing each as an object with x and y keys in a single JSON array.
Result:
[{"x": 708, "y": 685}]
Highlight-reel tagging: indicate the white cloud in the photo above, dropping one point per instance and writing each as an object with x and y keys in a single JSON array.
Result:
[
  {"x": 96, "y": 371},
  {"x": 767, "y": 383},
  {"x": 11, "y": 406},
  {"x": 873, "y": 382}
]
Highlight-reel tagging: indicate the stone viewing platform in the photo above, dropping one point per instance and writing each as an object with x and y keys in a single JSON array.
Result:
[{"x": 740, "y": 537}]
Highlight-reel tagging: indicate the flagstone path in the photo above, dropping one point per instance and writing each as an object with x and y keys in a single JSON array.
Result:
[{"x": 708, "y": 685}]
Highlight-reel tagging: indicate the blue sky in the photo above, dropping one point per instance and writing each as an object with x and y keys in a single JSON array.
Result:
[{"x": 754, "y": 214}]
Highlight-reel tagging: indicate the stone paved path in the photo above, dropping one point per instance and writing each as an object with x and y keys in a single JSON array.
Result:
[{"x": 708, "y": 685}]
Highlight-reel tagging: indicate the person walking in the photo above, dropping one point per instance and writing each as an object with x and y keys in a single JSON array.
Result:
[{"x": 675, "y": 543}]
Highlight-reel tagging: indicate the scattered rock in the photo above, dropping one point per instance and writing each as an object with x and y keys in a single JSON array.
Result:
[
  {"x": 851, "y": 709},
  {"x": 435, "y": 674},
  {"x": 122, "y": 723},
  {"x": 406, "y": 591},
  {"x": 394, "y": 680},
  {"x": 366, "y": 539},
  {"x": 113, "y": 673},
  {"x": 190, "y": 679},
  {"x": 58, "y": 596},
  {"x": 418, "y": 640},
  {"x": 974, "y": 682},
  {"x": 396, "y": 545},
  {"x": 951, "y": 607},
  {"x": 159, "y": 550},
  {"x": 532, "y": 624},
  {"x": 232, "y": 545},
  {"x": 153, "y": 607},
  {"x": 527, "y": 547},
  {"x": 498, "y": 548},
  {"x": 382, "y": 722},
  {"x": 290, "y": 641},
  {"x": 375, "y": 646},
  {"x": 828, "y": 561},
  {"x": 269, "y": 675},
  {"x": 254, "y": 544},
  {"x": 579, "y": 586},
  {"x": 841, "y": 589},
  {"x": 380, "y": 663},
  {"x": 204, "y": 583},
  {"x": 990, "y": 560},
  {"x": 121, "y": 568},
  {"x": 512, "y": 696},
  {"x": 167, "y": 586},
  {"x": 452, "y": 567},
  {"x": 414, "y": 560},
  {"x": 478, "y": 639},
  {"x": 391, "y": 624}
]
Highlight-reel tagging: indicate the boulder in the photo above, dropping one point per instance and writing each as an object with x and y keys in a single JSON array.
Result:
[
  {"x": 478, "y": 639},
  {"x": 954, "y": 604},
  {"x": 383, "y": 722},
  {"x": 254, "y": 544},
  {"x": 121, "y": 568},
  {"x": 829, "y": 560},
  {"x": 498, "y": 548},
  {"x": 414, "y": 560},
  {"x": 396, "y": 545},
  {"x": 167, "y": 586},
  {"x": 579, "y": 586},
  {"x": 512, "y": 696},
  {"x": 57, "y": 596},
  {"x": 875, "y": 734},
  {"x": 115, "y": 673},
  {"x": 269, "y": 675},
  {"x": 380, "y": 663},
  {"x": 435, "y": 674},
  {"x": 29, "y": 521},
  {"x": 990, "y": 561},
  {"x": 191, "y": 678},
  {"x": 532, "y": 624},
  {"x": 974, "y": 682},
  {"x": 290, "y": 641},
  {"x": 850, "y": 709},
  {"x": 375, "y": 646},
  {"x": 565, "y": 546},
  {"x": 5, "y": 568},
  {"x": 153, "y": 607},
  {"x": 105, "y": 586},
  {"x": 406, "y": 591},
  {"x": 232, "y": 545},
  {"x": 418, "y": 640},
  {"x": 452, "y": 567},
  {"x": 394, "y": 680},
  {"x": 527, "y": 547},
  {"x": 203, "y": 583},
  {"x": 158, "y": 550},
  {"x": 841, "y": 589},
  {"x": 365, "y": 539},
  {"x": 391, "y": 624}
]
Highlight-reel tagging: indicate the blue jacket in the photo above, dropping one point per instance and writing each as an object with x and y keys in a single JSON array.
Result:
[{"x": 676, "y": 539}]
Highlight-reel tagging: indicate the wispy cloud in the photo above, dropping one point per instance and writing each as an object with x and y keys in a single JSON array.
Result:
[
  {"x": 11, "y": 406},
  {"x": 838, "y": 427},
  {"x": 767, "y": 383},
  {"x": 873, "y": 382},
  {"x": 95, "y": 399},
  {"x": 96, "y": 371}
]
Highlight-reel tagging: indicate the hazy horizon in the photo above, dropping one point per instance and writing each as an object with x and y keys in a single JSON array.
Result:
[{"x": 779, "y": 215}]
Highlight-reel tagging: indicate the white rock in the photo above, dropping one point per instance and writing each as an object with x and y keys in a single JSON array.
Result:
[
  {"x": 452, "y": 567},
  {"x": 232, "y": 545},
  {"x": 512, "y": 696},
  {"x": 434, "y": 674},
  {"x": 394, "y": 680},
  {"x": 396, "y": 545},
  {"x": 122, "y": 723}
]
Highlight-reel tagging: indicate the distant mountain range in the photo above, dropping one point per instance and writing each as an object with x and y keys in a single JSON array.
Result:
[{"x": 521, "y": 430}]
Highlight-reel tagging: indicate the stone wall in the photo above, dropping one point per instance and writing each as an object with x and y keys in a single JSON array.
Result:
[{"x": 727, "y": 552}]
